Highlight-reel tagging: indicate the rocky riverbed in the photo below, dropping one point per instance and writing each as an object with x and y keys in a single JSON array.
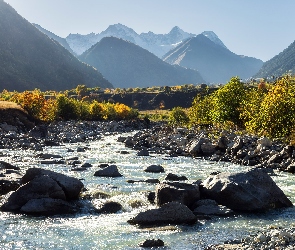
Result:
[{"x": 151, "y": 139}]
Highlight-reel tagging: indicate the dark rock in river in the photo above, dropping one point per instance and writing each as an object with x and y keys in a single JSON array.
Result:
[
  {"x": 70, "y": 185},
  {"x": 170, "y": 213},
  {"x": 154, "y": 169},
  {"x": 174, "y": 177},
  {"x": 110, "y": 207},
  {"x": 184, "y": 193},
  {"x": 151, "y": 243},
  {"x": 44, "y": 192},
  {"x": 252, "y": 191},
  {"x": 109, "y": 171}
]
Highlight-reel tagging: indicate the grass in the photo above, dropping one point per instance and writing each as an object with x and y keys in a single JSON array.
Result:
[
  {"x": 155, "y": 114},
  {"x": 9, "y": 105}
]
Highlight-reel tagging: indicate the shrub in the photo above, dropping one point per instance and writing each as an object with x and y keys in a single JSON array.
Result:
[{"x": 178, "y": 117}]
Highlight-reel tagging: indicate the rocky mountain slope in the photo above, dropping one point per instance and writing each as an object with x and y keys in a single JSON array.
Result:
[
  {"x": 29, "y": 59},
  {"x": 215, "y": 62},
  {"x": 283, "y": 63},
  {"x": 59, "y": 39},
  {"x": 128, "y": 65}
]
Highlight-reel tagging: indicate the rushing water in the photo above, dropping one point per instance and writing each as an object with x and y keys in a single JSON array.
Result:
[{"x": 89, "y": 231}]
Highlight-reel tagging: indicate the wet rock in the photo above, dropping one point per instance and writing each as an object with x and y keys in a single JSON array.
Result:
[
  {"x": 151, "y": 243},
  {"x": 151, "y": 197},
  {"x": 155, "y": 169},
  {"x": 47, "y": 206},
  {"x": 39, "y": 131},
  {"x": 109, "y": 171},
  {"x": 170, "y": 213},
  {"x": 143, "y": 152},
  {"x": 252, "y": 191},
  {"x": 174, "y": 177},
  {"x": 48, "y": 156},
  {"x": 210, "y": 207},
  {"x": 70, "y": 185},
  {"x": 184, "y": 193},
  {"x": 110, "y": 207}
]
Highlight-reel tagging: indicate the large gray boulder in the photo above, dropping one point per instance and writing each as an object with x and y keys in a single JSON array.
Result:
[
  {"x": 184, "y": 193},
  {"x": 70, "y": 185},
  {"x": 251, "y": 191},
  {"x": 44, "y": 192},
  {"x": 109, "y": 171},
  {"x": 170, "y": 213}
]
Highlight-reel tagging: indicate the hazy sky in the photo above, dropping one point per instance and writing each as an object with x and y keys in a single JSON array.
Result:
[{"x": 258, "y": 28}]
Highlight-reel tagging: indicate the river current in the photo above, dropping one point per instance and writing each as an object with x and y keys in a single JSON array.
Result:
[{"x": 94, "y": 231}]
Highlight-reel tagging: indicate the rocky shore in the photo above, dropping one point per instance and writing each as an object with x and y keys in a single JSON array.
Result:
[
  {"x": 210, "y": 197},
  {"x": 226, "y": 146}
]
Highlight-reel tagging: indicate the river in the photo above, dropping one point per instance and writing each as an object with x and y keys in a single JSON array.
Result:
[{"x": 93, "y": 231}]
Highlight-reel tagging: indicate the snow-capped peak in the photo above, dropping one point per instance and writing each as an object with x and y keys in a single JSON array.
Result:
[{"x": 214, "y": 38}]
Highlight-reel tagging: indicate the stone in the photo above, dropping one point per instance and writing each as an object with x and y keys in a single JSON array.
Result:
[
  {"x": 170, "y": 213},
  {"x": 155, "y": 169},
  {"x": 70, "y": 185},
  {"x": 250, "y": 191},
  {"x": 195, "y": 148},
  {"x": 143, "y": 152},
  {"x": 109, "y": 171},
  {"x": 174, "y": 177},
  {"x": 210, "y": 207},
  {"x": 151, "y": 243},
  {"x": 47, "y": 206},
  {"x": 40, "y": 187},
  {"x": 183, "y": 193},
  {"x": 110, "y": 207}
]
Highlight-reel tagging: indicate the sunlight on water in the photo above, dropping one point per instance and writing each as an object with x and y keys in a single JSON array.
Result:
[{"x": 90, "y": 231}]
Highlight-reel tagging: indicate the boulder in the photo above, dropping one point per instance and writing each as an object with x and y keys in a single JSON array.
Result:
[
  {"x": 183, "y": 193},
  {"x": 110, "y": 207},
  {"x": 109, "y": 171},
  {"x": 251, "y": 191},
  {"x": 39, "y": 187},
  {"x": 151, "y": 243},
  {"x": 170, "y": 213},
  {"x": 155, "y": 169},
  {"x": 210, "y": 207},
  {"x": 143, "y": 152},
  {"x": 47, "y": 206},
  {"x": 195, "y": 147},
  {"x": 70, "y": 185},
  {"x": 174, "y": 177}
]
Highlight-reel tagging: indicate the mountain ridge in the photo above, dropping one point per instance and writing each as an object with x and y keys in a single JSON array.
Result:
[
  {"x": 158, "y": 44},
  {"x": 216, "y": 63},
  {"x": 30, "y": 59},
  {"x": 135, "y": 66}
]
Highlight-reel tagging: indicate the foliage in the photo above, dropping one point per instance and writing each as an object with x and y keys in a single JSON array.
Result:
[
  {"x": 61, "y": 106},
  {"x": 178, "y": 117},
  {"x": 274, "y": 116},
  {"x": 200, "y": 112},
  {"x": 227, "y": 101}
]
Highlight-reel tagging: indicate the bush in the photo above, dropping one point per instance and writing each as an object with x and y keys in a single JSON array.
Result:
[{"x": 178, "y": 117}]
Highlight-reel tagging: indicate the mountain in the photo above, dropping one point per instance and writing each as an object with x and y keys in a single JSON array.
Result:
[
  {"x": 128, "y": 65},
  {"x": 30, "y": 59},
  {"x": 281, "y": 64},
  {"x": 158, "y": 44},
  {"x": 215, "y": 62},
  {"x": 51, "y": 35}
]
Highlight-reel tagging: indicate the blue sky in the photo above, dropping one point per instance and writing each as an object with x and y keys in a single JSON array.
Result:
[{"x": 258, "y": 28}]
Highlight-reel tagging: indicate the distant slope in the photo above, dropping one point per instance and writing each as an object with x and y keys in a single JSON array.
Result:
[
  {"x": 128, "y": 65},
  {"x": 29, "y": 59},
  {"x": 215, "y": 62},
  {"x": 51, "y": 35},
  {"x": 280, "y": 64}
]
